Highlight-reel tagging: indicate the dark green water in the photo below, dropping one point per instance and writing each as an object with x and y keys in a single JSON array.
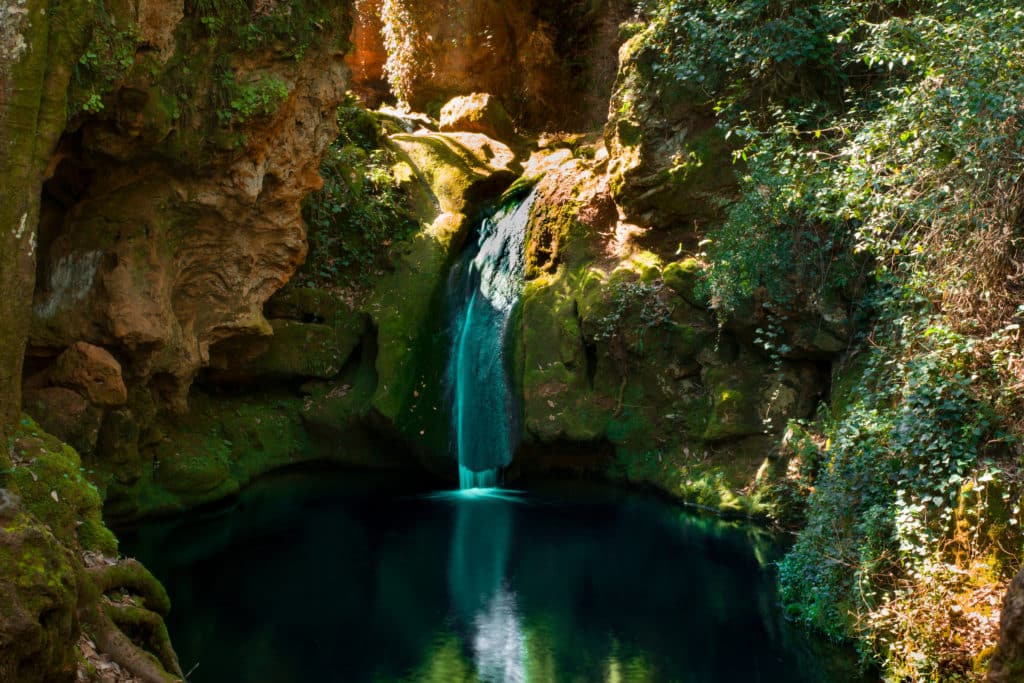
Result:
[{"x": 332, "y": 576}]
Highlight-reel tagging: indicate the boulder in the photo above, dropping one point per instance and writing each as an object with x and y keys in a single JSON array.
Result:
[
  {"x": 295, "y": 350},
  {"x": 67, "y": 415},
  {"x": 478, "y": 113},
  {"x": 91, "y": 371}
]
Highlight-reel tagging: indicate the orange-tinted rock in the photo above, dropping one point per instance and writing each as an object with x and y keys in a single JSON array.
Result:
[
  {"x": 551, "y": 61},
  {"x": 168, "y": 248},
  {"x": 478, "y": 113},
  {"x": 91, "y": 371},
  {"x": 367, "y": 57}
]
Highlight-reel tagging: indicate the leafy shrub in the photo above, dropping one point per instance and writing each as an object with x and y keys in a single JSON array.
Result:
[
  {"x": 361, "y": 209},
  {"x": 109, "y": 55},
  {"x": 882, "y": 139},
  {"x": 247, "y": 101}
]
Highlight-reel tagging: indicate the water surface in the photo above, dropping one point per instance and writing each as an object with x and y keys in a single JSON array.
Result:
[{"x": 333, "y": 576}]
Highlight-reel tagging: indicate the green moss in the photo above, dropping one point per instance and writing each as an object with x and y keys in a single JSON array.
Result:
[
  {"x": 49, "y": 478},
  {"x": 454, "y": 166},
  {"x": 261, "y": 96},
  {"x": 684, "y": 277},
  {"x": 38, "y": 603},
  {"x": 735, "y": 392},
  {"x": 305, "y": 350}
]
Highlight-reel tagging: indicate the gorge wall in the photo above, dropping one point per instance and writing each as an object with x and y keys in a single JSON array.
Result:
[{"x": 233, "y": 266}]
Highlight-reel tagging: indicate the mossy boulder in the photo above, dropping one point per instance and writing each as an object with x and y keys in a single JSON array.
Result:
[
  {"x": 556, "y": 381},
  {"x": 49, "y": 477},
  {"x": 313, "y": 305},
  {"x": 295, "y": 350},
  {"x": 684, "y": 278},
  {"x": 461, "y": 169}
]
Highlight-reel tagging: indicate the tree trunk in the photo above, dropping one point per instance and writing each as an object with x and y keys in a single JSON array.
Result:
[{"x": 40, "y": 42}]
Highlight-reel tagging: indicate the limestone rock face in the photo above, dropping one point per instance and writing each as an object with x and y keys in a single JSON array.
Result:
[
  {"x": 478, "y": 113},
  {"x": 157, "y": 20},
  {"x": 91, "y": 371},
  {"x": 159, "y": 240},
  {"x": 368, "y": 56},
  {"x": 552, "y": 62}
]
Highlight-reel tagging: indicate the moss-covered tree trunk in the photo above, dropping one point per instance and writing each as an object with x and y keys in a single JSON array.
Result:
[{"x": 40, "y": 42}]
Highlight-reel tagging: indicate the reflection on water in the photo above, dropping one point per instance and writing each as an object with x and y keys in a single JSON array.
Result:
[
  {"x": 326, "y": 578},
  {"x": 481, "y": 540}
]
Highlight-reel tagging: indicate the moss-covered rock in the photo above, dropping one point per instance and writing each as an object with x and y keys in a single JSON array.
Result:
[
  {"x": 460, "y": 169},
  {"x": 735, "y": 392},
  {"x": 295, "y": 350},
  {"x": 669, "y": 165},
  {"x": 38, "y": 603},
  {"x": 49, "y": 477},
  {"x": 684, "y": 277}
]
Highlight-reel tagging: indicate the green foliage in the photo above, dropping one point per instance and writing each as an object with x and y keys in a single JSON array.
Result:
[
  {"x": 631, "y": 309},
  {"x": 247, "y": 101},
  {"x": 109, "y": 55},
  {"x": 361, "y": 209},
  {"x": 881, "y": 153},
  {"x": 892, "y": 478},
  {"x": 748, "y": 51},
  {"x": 287, "y": 27}
]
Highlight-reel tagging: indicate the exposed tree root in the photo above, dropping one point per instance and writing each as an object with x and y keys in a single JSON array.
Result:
[
  {"x": 131, "y": 576},
  {"x": 132, "y": 619},
  {"x": 105, "y": 620}
]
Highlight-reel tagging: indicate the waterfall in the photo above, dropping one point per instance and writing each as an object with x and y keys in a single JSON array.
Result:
[{"x": 485, "y": 286}]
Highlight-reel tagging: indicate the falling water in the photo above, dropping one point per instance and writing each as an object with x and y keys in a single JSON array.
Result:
[{"x": 485, "y": 286}]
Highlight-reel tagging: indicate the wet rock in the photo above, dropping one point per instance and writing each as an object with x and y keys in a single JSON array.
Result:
[{"x": 91, "y": 371}]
